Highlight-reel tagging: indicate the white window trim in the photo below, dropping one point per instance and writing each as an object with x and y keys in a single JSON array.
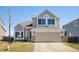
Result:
[
  {"x": 41, "y": 24},
  {"x": 50, "y": 24},
  {"x": 20, "y": 32},
  {"x": 46, "y": 22}
]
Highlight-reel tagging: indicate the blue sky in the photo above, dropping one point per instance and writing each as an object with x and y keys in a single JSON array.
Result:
[{"x": 23, "y": 13}]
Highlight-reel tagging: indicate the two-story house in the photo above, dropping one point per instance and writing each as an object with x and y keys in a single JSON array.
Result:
[
  {"x": 42, "y": 28},
  {"x": 2, "y": 29}
]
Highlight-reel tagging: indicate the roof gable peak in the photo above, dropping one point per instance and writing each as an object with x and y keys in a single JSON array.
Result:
[{"x": 46, "y": 12}]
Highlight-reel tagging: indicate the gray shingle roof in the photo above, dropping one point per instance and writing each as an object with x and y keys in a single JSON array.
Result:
[
  {"x": 76, "y": 21},
  {"x": 25, "y": 23}
]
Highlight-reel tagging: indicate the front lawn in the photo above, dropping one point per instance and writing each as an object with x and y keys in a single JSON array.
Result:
[
  {"x": 74, "y": 45},
  {"x": 17, "y": 46}
]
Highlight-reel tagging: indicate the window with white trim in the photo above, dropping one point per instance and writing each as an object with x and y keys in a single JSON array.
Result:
[
  {"x": 41, "y": 21},
  {"x": 19, "y": 34},
  {"x": 51, "y": 21}
]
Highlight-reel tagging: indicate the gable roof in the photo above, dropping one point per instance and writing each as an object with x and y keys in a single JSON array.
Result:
[
  {"x": 25, "y": 23},
  {"x": 46, "y": 12},
  {"x": 76, "y": 21}
]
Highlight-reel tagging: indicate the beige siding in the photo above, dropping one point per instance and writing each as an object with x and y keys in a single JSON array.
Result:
[
  {"x": 34, "y": 20},
  {"x": 18, "y": 28},
  {"x": 57, "y": 22},
  {"x": 2, "y": 33},
  {"x": 2, "y": 30}
]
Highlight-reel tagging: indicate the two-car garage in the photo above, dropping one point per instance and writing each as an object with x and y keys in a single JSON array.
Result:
[{"x": 47, "y": 36}]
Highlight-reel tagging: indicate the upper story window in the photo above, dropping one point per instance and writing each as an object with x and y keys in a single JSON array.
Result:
[
  {"x": 41, "y": 21},
  {"x": 51, "y": 21}
]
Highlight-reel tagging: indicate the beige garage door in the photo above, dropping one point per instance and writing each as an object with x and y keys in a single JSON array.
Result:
[{"x": 48, "y": 37}]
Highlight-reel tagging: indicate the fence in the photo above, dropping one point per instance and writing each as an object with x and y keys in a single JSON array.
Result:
[
  {"x": 5, "y": 38},
  {"x": 74, "y": 39}
]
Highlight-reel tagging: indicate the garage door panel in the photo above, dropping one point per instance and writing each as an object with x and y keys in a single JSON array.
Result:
[{"x": 48, "y": 37}]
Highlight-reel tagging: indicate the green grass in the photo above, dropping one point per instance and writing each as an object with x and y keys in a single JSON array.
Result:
[
  {"x": 17, "y": 46},
  {"x": 74, "y": 45}
]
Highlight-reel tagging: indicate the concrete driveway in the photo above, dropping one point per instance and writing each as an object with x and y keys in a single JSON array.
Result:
[{"x": 53, "y": 47}]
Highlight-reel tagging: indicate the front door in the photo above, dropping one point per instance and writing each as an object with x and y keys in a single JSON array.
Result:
[{"x": 29, "y": 35}]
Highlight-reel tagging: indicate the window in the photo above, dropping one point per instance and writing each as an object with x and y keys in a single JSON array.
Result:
[
  {"x": 19, "y": 34},
  {"x": 41, "y": 21},
  {"x": 51, "y": 21}
]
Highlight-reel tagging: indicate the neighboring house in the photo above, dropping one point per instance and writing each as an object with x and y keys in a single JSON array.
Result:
[
  {"x": 72, "y": 28},
  {"x": 42, "y": 28},
  {"x": 2, "y": 29}
]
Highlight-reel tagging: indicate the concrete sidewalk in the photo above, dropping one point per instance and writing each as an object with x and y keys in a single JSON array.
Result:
[{"x": 53, "y": 47}]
